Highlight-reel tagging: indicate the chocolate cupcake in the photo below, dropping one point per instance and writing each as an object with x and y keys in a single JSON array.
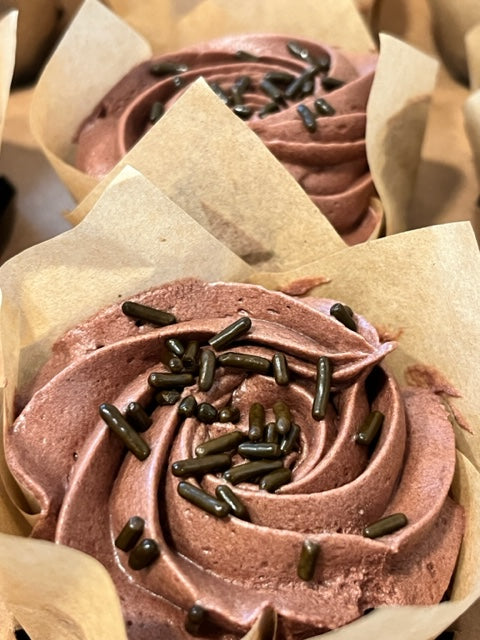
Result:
[{"x": 229, "y": 452}]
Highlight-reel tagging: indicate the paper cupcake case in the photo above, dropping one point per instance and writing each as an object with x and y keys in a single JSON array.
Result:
[
  {"x": 65, "y": 94},
  {"x": 401, "y": 283}
]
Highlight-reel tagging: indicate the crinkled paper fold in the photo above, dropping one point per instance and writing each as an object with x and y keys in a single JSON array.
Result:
[
  {"x": 84, "y": 68},
  {"x": 421, "y": 285}
]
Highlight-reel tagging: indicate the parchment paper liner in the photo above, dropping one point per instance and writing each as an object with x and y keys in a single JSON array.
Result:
[
  {"x": 83, "y": 69},
  {"x": 472, "y": 104},
  {"x": 126, "y": 244},
  {"x": 8, "y": 38}
]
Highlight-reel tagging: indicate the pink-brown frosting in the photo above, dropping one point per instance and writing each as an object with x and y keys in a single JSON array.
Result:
[
  {"x": 330, "y": 164},
  {"x": 88, "y": 486}
]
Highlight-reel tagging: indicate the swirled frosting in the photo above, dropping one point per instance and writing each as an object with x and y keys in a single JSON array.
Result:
[
  {"x": 330, "y": 164},
  {"x": 88, "y": 485}
]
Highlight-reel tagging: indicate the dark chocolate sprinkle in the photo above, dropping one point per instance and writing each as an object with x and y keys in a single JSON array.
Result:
[
  {"x": 169, "y": 380},
  {"x": 217, "y": 89},
  {"x": 202, "y": 499},
  {"x": 237, "y": 508},
  {"x": 149, "y": 314},
  {"x": 271, "y": 433},
  {"x": 224, "y": 337},
  {"x": 242, "y": 83},
  {"x": 323, "y": 108},
  {"x": 187, "y": 407},
  {"x": 308, "y": 117},
  {"x": 167, "y": 68},
  {"x": 280, "y": 369},
  {"x": 130, "y": 534},
  {"x": 330, "y": 83},
  {"x": 297, "y": 50},
  {"x": 275, "y": 479},
  {"x": 323, "y": 62},
  {"x": 156, "y": 112},
  {"x": 175, "y": 346},
  {"x": 178, "y": 82},
  {"x": 251, "y": 470},
  {"x": 144, "y": 554},
  {"x": 339, "y": 311},
  {"x": 205, "y": 464},
  {"x": 120, "y": 427},
  {"x": 296, "y": 86},
  {"x": 322, "y": 391},
  {"x": 290, "y": 440},
  {"x": 370, "y": 428},
  {"x": 384, "y": 526},
  {"x": 229, "y": 414},
  {"x": 267, "y": 109},
  {"x": 259, "y": 450},
  {"x": 271, "y": 90},
  {"x": 279, "y": 77},
  {"x": 137, "y": 417},
  {"x": 206, "y": 413},
  {"x": 283, "y": 418},
  {"x": 226, "y": 442},
  {"x": 190, "y": 358},
  {"x": 194, "y": 619},
  {"x": 242, "y": 111},
  {"x": 175, "y": 364},
  {"x": 244, "y": 361},
  {"x": 307, "y": 88},
  {"x": 308, "y": 560},
  {"x": 256, "y": 421},
  {"x": 206, "y": 372}
]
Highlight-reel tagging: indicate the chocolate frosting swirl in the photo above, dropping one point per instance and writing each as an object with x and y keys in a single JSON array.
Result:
[
  {"x": 88, "y": 486},
  {"x": 330, "y": 164}
]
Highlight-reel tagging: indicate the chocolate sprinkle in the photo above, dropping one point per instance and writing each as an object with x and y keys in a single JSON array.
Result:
[
  {"x": 308, "y": 560},
  {"x": 308, "y": 118},
  {"x": 224, "y": 337},
  {"x": 130, "y": 534},
  {"x": 226, "y": 442},
  {"x": 200, "y": 466},
  {"x": 323, "y": 108},
  {"x": 137, "y": 417},
  {"x": 386, "y": 525},
  {"x": 194, "y": 619},
  {"x": 187, "y": 406},
  {"x": 120, "y": 427},
  {"x": 237, "y": 508},
  {"x": 322, "y": 391},
  {"x": 370, "y": 428},
  {"x": 244, "y": 361},
  {"x": 144, "y": 554},
  {"x": 275, "y": 479},
  {"x": 202, "y": 499},
  {"x": 148, "y": 314},
  {"x": 250, "y": 470},
  {"x": 344, "y": 315},
  {"x": 206, "y": 413}
]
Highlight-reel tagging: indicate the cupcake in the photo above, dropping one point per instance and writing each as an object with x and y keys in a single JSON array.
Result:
[
  {"x": 306, "y": 101},
  {"x": 365, "y": 168},
  {"x": 231, "y": 453},
  {"x": 98, "y": 352}
]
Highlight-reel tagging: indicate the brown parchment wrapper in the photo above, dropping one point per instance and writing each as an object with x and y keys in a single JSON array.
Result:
[
  {"x": 397, "y": 106},
  {"x": 472, "y": 104},
  {"x": 421, "y": 286},
  {"x": 8, "y": 41}
]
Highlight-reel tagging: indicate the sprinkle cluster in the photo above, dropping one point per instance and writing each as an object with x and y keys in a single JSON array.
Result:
[
  {"x": 280, "y": 87},
  {"x": 266, "y": 447}
]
